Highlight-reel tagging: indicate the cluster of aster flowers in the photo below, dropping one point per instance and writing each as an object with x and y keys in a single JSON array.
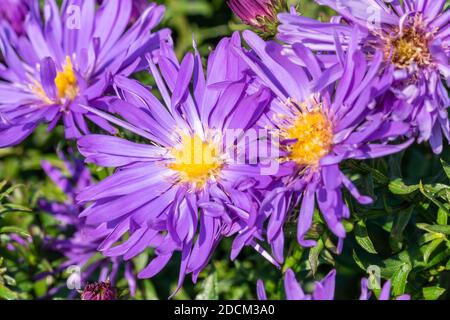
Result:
[
  {"x": 411, "y": 40},
  {"x": 231, "y": 150},
  {"x": 66, "y": 59}
]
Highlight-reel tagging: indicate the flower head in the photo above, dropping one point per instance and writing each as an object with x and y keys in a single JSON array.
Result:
[
  {"x": 99, "y": 291},
  {"x": 321, "y": 122},
  {"x": 413, "y": 37},
  {"x": 15, "y": 12},
  {"x": 261, "y": 14},
  {"x": 181, "y": 190},
  {"x": 67, "y": 60}
]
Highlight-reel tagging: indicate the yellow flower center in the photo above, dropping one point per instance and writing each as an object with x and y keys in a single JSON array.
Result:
[
  {"x": 196, "y": 161},
  {"x": 314, "y": 137},
  {"x": 410, "y": 46},
  {"x": 66, "y": 82}
]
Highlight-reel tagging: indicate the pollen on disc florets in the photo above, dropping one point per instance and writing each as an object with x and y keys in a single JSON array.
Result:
[
  {"x": 66, "y": 82},
  {"x": 66, "y": 85},
  {"x": 311, "y": 136},
  {"x": 196, "y": 160},
  {"x": 410, "y": 45}
]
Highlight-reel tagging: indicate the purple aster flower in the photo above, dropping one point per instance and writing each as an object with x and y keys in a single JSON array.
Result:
[
  {"x": 68, "y": 60},
  {"x": 99, "y": 291},
  {"x": 80, "y": 249},
  {"x": 320, "y": 123},
  {"x": 412, "y": 35},
  {"x": 324, "y": 289},
  {"x": 15, "y": 12},
  {"x": 180, "y": 191},
  {"x": 260, "y": 14}
]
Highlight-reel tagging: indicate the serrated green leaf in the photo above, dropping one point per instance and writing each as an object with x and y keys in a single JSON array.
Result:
[{"x": 362, "y": 237}]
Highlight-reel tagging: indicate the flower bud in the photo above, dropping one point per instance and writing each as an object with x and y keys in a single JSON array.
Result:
[
  {"x": 260, "y": 14},
  {"x": 99, "y": 291}
]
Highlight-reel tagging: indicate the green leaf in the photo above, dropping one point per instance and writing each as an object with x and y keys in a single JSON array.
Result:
[
  {"x": 398, "y": 187},
  {"x": 401, "y": 221},
  {"x": 11, "y": 229},
  {"x": 391, "y": 265},
  {"x": 446, "y": 167},
  {"x": 432, "y": 293},
  {"x": 378, "y": 176},
  {"x": 7, "y": 294},
  {"x": 2, "y": 184},
  {"x": 439, "y": 258},
  {"x": 209, "y": 288},
  {"x": 149, "y": 290},
  {"x": 9, "y": 280},
  {"x": 313, "y": 257},
  {"x": 430, "y": 248},
  {"x": 399, "y": 279},
  {"x": 9, "y": 190},
  {"x": 430, "y": 196},
  {"x": 427, "y": 237},
  {"x": 442, "y": 217},
  {"x": 358, "y": 261},
  {"x": 434, "y": 228},
  {"x": 11, "y": 207},
  {"x": 362, "y": 237}
]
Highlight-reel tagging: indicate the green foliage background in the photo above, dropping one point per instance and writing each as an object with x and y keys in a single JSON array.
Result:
[{"x": 406, "y": 232}]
